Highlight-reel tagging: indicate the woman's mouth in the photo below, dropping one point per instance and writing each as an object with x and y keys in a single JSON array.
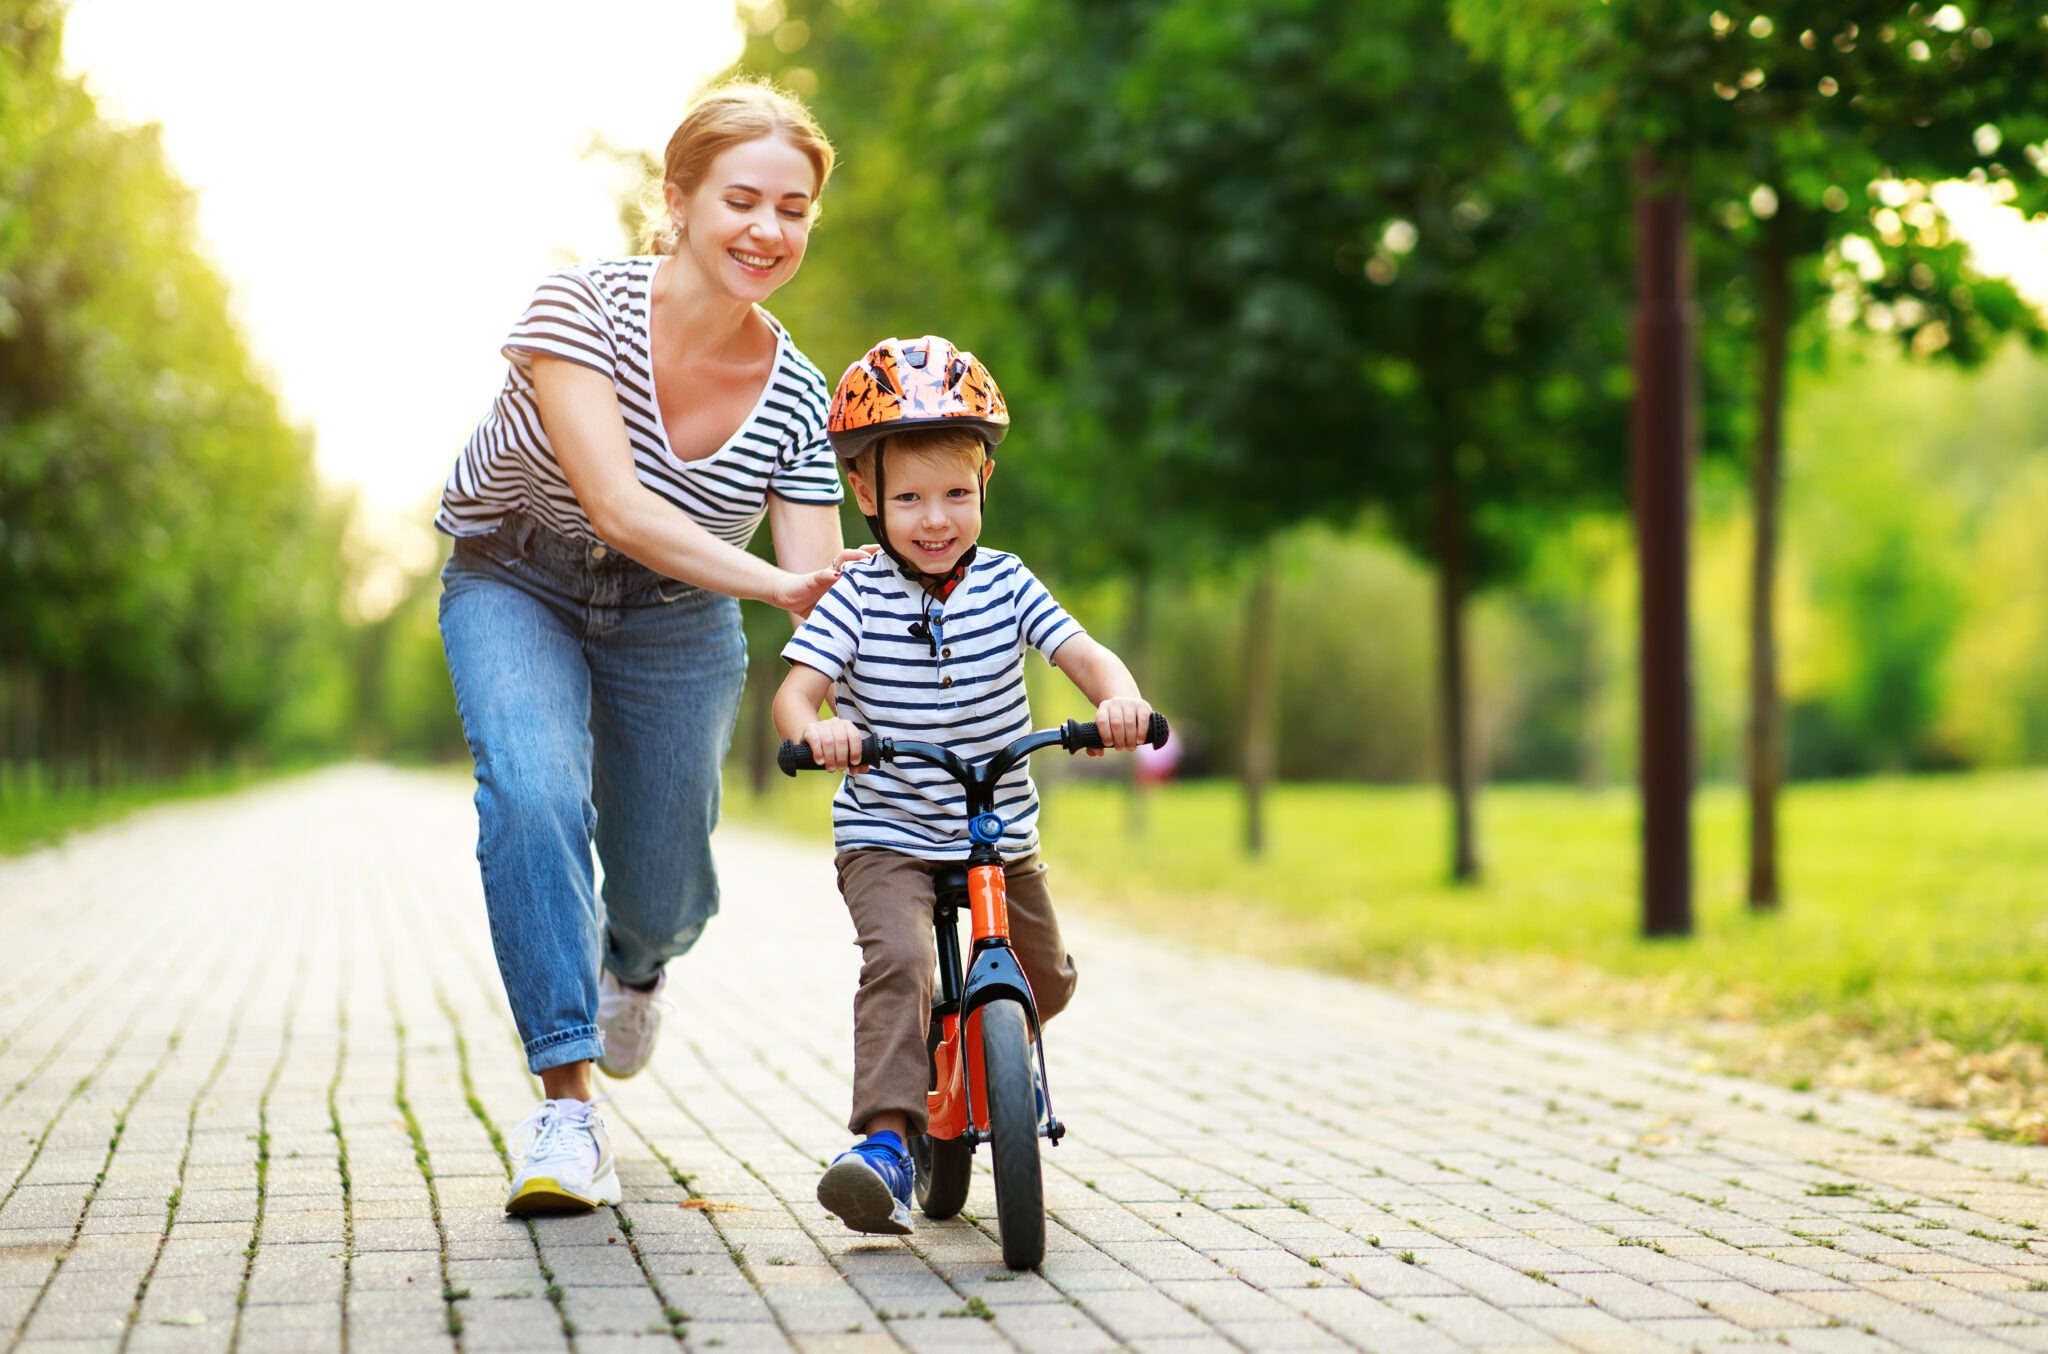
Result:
[{"x": 753, "y": 263}]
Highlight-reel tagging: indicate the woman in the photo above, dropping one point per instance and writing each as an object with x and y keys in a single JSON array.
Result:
[{"x": 651, "y": 414}]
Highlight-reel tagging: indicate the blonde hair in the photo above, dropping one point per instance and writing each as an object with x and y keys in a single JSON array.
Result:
[
  {"x": 727, "y": 115},
  {"x": 937, "y": 443}
]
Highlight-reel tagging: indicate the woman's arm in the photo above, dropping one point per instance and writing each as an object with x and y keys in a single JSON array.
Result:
[
  {"x": 807, "y": 537},
  {"x": 579, "y": 408}
]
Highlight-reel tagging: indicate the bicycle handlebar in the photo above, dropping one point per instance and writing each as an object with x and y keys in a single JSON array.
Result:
[{"x": 1074, "y": 736}]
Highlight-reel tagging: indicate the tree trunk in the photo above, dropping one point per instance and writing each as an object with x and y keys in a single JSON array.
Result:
[
  {"x": 1453, "y": 692},
  {"x": 1766, "y": 717},
  {"x": 1260, "y": 666},
  {"x": 1137, "y": 656},
  {"x": 1663, "y": 434}
]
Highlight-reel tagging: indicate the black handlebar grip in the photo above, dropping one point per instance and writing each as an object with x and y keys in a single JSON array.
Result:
[
  {"x": 1082, "y": 735},
  {"x": 795, "y": 757}
]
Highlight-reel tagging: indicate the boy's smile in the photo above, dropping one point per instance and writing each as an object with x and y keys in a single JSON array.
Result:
[{"x": 933, "y": 512}]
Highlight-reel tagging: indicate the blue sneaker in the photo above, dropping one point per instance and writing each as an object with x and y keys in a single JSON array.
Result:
[{"x": 868, "y": 1188}]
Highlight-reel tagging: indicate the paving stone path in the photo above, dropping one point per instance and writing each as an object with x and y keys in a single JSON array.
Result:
[{"x": 256, "y": 1073}]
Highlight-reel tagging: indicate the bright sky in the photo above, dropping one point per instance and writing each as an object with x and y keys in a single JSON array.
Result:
[{"x": 383, "y": 183}]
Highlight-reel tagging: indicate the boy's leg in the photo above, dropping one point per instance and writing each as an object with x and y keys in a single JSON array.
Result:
[
  {"x": 1035, "y": 936},
  {"x": 890, "y": 897},
  {"x": 666, "y": 690},
  {"x": 523, "y": 692}
]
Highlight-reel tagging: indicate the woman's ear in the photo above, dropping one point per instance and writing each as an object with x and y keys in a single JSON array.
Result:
[{"x": 673, "y": 197}]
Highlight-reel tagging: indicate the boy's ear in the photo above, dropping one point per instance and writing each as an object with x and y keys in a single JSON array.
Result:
[
  {"x": 988, "y": 468},
  {"x": 862, "y": 494}
]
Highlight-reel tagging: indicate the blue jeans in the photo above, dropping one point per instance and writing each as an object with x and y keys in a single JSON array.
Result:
[{"x": 598, "y": 698}]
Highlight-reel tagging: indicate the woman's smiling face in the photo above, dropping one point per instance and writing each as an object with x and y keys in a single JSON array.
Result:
[{"x": 747, "y": 223}]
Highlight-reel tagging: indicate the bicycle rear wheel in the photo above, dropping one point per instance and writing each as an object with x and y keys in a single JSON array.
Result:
[
  {"x": 1013, "y": 1129},
  {"x": 944, "y": 1168}
]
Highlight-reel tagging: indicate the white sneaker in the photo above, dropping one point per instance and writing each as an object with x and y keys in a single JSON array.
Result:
[
  {"x": 564, "y": 1160},
  {"x": 629, "y": 1021}
]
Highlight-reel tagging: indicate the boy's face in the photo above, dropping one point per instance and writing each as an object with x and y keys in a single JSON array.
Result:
[{"x": 933, "y": 512}]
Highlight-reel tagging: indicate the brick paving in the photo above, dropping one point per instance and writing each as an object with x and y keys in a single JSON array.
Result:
[{"x": 256, "y": 1072}]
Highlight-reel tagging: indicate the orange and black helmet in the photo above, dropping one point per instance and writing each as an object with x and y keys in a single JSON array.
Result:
[{"x": 916, "y": 383}]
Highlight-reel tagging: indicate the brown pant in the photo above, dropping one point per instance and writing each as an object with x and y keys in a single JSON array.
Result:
[{"x": 891, "y": 896}]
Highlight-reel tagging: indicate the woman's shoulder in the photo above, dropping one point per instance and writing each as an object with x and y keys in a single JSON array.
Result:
[{"x": 791, "y": 364}]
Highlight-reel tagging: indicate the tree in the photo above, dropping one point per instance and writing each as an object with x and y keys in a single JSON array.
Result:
[
  {"x": 1289, "y": 259},
  {"x": 169, "y": 568},
  {"x": 1784, "y": 116}
]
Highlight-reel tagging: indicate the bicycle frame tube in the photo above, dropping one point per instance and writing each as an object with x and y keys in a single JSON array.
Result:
[{"x": 988, "y": 903}]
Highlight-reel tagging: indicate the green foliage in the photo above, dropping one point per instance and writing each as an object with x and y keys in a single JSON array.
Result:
[{"x": 170, "y": 574}]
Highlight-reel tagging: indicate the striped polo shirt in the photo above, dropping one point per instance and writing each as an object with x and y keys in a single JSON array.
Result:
[
  {"x": 963, "y": 688},
  {"x": 595, "y": 314}
]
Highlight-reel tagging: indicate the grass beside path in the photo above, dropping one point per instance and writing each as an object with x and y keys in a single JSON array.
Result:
[
  {"x": 33, "y": 815},
  {"x": 1910, "y": 955}
]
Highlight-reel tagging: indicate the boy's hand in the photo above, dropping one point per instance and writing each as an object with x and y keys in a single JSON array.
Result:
[
  {"x": 835, "y": 744},
  {"x": 1123, "y": 722}
]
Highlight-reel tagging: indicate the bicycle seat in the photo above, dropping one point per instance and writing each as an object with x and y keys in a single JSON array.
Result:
[{"x": 949, "y": 881}]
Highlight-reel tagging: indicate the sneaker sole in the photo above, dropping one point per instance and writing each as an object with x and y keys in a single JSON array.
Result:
[
  {"x": 544, "y": 1194},
  {"x": 858, "y": 1197},
  {"x": 620, "y": 1074}
]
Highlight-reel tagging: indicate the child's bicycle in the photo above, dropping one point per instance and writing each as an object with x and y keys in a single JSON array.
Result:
[{"x": 991, "y": 1085}]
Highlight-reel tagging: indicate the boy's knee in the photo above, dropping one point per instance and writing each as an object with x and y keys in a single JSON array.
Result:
[{"x": 1052, "y": 995}]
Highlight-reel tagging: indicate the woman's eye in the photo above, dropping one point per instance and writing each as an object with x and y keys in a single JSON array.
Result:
[
  {"x": 794, "y": 214},
  {"x": 738, "y": 205}
]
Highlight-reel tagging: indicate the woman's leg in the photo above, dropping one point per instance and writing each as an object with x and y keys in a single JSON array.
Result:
[
  {"x": 666, "y": 686},
  {"x": 522, "y": 687}
]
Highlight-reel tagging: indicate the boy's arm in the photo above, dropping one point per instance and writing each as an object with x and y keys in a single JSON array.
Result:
[
  {"x": 835, "y": 743},
  {"x": 1122, "y": 716}
]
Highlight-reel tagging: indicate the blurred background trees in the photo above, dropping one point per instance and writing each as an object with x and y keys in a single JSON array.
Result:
[
  {"x": 1314, "y": 322},
  {"x": 171, "y": 574}
]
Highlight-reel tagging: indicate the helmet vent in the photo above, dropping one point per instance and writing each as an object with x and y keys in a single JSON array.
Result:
[{"x": 916, "y": 357}]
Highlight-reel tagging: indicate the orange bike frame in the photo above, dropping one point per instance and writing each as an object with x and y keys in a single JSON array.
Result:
[{"x": 988, "y": 908}]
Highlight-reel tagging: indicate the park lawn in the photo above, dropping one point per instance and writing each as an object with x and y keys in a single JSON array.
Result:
[
  {"x": 1909, "y": 956},
  {"x": 33, "y": 815}
]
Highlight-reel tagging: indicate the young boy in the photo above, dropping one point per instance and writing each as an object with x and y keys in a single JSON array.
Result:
[{"x": 926, "y": 640}]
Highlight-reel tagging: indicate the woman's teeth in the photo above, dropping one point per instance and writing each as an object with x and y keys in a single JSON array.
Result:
[{"x": 752, "y": 260}]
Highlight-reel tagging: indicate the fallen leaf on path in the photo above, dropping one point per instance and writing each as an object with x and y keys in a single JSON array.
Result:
[
  {"x": 713, "y": 1206},
  {"x": 191, "y": 1318}
]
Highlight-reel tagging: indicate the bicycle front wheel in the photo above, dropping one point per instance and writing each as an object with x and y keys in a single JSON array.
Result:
[{"x": 1013, "y": 1129}]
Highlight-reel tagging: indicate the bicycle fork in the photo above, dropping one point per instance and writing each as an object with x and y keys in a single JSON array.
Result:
[{"x": 957, "y": 1104}]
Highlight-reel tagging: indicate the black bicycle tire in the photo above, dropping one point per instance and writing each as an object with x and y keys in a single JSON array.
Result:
[
  {"x": 1013, "y": 1128},
  {"x": 944, "y": 1170}
]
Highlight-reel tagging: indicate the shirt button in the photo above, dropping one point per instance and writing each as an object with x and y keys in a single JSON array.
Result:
[
  {"x": 945, "y": 681},
  {"x": 945, "y": 653},
  {"x": 598, "y": 552}
]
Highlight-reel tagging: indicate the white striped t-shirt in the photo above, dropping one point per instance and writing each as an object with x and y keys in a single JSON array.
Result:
[
  {"x": 595, "y": 314},
  {"x": 963, "y": 689}
]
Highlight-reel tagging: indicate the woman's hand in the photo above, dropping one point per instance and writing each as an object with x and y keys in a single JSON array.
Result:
[
  {"x": 854, "y": 554},
  {"x": 798, "y": 593},
  {"x": 834, "y": 743}
]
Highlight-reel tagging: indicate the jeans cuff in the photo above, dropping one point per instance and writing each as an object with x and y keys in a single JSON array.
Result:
[{"x": 581, "y": 1044}]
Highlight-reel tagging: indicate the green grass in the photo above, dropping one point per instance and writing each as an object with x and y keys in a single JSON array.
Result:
[
  {"x": 1915, "y": 908},
  {"x": 33, "y": 815}
]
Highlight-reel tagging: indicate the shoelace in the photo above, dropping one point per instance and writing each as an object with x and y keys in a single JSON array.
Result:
[{"x": 545, "y": 1132}]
